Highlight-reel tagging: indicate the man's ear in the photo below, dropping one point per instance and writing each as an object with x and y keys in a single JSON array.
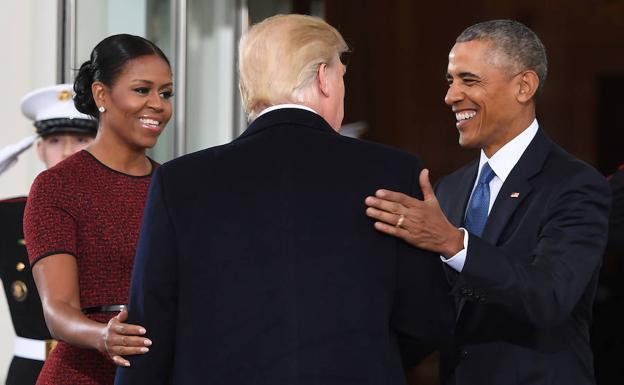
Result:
[
  {"x": 323, "y": 80},
  {"x": 98, "y": 90},
  {"x": 528, "y": 84}
]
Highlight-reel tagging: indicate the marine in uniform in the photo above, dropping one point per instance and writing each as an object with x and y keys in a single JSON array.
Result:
[{"x": 61, "y": 131}]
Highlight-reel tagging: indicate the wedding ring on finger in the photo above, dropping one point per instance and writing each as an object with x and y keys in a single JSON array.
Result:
[{"x": 400, "y": 221}]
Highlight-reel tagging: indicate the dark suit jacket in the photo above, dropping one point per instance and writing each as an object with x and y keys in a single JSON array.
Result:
[
  {"x": 528, "y": 283},
  {"x": 607, "y": 334},
  {"x": 616, "y": 220},
  {"x": 256, "y": 264}
]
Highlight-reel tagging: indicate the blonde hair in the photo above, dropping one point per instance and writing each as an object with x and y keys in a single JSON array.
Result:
[{"x": 279, "y": 58}]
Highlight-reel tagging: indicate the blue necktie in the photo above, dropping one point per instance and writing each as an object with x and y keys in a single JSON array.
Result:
[{"x": 477, "y": 213}]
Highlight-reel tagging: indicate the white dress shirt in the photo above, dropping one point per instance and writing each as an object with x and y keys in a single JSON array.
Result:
[
  {"x": 502, "y": 162},
  {"x": 289, "y": 105}
]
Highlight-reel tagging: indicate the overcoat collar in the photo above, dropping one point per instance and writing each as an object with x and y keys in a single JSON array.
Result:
[{"x": 287, "y": 116}]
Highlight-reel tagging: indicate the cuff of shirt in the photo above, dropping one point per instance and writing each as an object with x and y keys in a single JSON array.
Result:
[{"x": 457, "y": 261}]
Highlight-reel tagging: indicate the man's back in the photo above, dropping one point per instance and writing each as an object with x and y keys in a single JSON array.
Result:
[{"x": 279, "y": 278}]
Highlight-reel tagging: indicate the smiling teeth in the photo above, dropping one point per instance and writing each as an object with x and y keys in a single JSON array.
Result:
[
  {"x": 464, "y": 115},
  {"x": 150, "y": 122}
]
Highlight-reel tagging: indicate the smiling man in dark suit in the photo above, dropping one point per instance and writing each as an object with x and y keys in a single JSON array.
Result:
[
  {"x": 256, "y": 263},
  {"x": 521, "y": 230}
]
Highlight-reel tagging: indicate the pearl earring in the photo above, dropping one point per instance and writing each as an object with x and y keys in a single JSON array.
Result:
[{"x": 101, "y": 109}]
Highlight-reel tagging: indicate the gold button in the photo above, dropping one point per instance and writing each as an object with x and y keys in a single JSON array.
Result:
[
  {"x": 19, "y": 291},
  {"x": 21, "y": 242},
  {"x": 20, "y": 266},
  {"x": 64, "y": 95},
  {"x": 49, "y": 346}
]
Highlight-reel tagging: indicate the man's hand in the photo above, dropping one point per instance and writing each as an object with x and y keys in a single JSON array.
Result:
[{"x": 424, "y": 225}]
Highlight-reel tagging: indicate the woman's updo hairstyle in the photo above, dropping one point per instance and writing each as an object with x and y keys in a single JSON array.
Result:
[{"x": 107, "y": 60}]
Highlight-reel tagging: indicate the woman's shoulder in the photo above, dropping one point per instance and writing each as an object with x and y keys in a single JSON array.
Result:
[
  {"x": 78, "y": 162},
  {"x": 65, "y": 176}
]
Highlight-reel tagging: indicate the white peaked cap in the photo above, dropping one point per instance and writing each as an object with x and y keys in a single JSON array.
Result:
[{"x": 53, "y": 102}]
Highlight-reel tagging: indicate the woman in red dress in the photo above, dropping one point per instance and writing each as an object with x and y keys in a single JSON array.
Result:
[{"x": 83, "y": 216}]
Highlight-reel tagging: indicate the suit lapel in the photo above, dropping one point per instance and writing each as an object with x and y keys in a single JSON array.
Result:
[
  {"x": 291, "y": 116},
  {"x": 458, "y": 201},
  {"x": 513, "y": 192},
  {"x": 517, "y": 187}
]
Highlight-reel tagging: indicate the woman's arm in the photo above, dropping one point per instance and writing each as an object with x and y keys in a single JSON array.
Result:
[{"x": 56, "y": 277}]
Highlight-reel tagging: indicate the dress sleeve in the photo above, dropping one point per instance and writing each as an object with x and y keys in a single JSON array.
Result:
[{"x": 49, "y": 227}]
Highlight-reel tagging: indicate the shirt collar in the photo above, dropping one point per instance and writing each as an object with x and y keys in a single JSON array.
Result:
[
  {"x": 504, "y": 160},
  {"x": 287, "y": 105}
]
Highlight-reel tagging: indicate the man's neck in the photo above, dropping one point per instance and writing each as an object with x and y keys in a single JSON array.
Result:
[{"x": 518, "y": 126}]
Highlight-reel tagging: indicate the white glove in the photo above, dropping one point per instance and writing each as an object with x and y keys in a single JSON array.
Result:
[{"x": 9, "y": 154}]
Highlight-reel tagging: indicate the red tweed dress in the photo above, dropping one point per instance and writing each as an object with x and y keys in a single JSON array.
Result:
[{"x": 83, "y": 208}]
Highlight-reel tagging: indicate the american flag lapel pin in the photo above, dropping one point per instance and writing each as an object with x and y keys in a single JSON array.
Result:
[{"x": 514, "y": 194}]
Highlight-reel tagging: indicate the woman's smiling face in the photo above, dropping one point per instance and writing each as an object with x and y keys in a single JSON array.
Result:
[{"x": 138, "y": 104}]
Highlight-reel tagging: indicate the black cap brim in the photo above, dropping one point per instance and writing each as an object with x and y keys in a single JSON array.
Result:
[{"x": 66, "y": 125}]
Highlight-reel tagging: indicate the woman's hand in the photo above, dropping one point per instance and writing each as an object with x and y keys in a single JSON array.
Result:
[
  {"x": 56, "y": 277},
  {"x": 121, "y": 339}
]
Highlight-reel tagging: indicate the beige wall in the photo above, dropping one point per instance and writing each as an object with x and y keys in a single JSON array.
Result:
[
  {"x": 28, "y": 29},
  {"x": 28, "y": 33}
]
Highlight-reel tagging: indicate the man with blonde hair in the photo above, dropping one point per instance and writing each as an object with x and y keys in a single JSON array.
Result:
[
  {"x": 256, "y": 263},
  {"x": 304, "y": 50}
]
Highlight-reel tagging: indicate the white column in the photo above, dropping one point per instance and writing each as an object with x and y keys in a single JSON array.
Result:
[{"x": 29, "y": 33}]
